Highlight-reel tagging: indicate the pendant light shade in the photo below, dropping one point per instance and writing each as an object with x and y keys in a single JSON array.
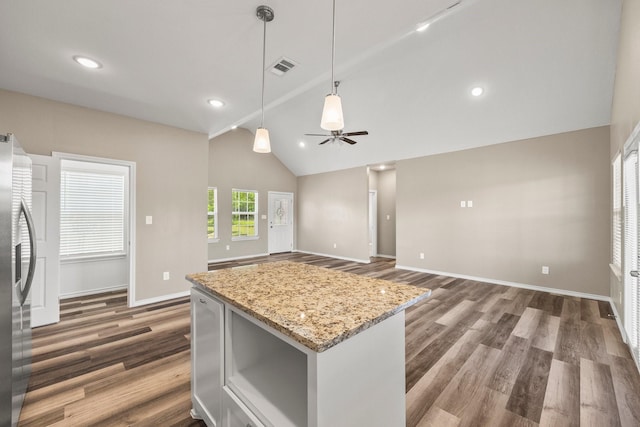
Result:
[
  {"x": 261, "y": 143},
  {"x": 332, "y": 118}
]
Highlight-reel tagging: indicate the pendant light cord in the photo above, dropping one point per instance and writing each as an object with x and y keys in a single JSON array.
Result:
[
  {"x": 264, "y": 50},
  {"x": 333, "y": 46}
]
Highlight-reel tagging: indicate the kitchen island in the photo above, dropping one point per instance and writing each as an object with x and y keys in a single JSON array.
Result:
[{"x": 290, "y": 344}]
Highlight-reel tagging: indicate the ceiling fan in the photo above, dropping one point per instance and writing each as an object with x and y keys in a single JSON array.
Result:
[{"x": 339, "y": 134}]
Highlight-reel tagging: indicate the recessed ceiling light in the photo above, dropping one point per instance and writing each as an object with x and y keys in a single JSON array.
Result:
[
  {"x": 233, "y": 127},
  {"x": 477, "y": 91},
  {"x": 87, "y": 62},
  {"x": 301, "y": 144},
  {"x": 422, "y": 26},
  {"x": 216, "y": 103}
]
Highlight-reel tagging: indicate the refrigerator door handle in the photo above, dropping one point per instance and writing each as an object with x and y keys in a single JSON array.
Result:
[{"x": 32, "y": 251}]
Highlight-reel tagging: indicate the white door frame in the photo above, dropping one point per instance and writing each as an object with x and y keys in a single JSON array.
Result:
[
  {"x": 132, "y": 211},
  {"x": 373, "y": 223},
  {"x": 631, "y": 248},
  {"x": 270, "y": 248}
]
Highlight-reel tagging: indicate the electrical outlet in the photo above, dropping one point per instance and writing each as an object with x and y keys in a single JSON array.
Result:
[
  {"x": 469, "y": 203},
  {"x": 463, "y": 204},
  {"x": 148, "y": 220},
  {"x": 165, "y": 275},
  {"x": 335, "y": 245},
  {"x": 228, "y": 247},
  {"x": 545, "y": 269},
  {"x": 421, "y": 255}
]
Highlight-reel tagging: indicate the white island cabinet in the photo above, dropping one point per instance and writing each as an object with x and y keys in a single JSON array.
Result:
[
  {"x": 292, "y": 354},
  {"x": 207, "y": 367}
]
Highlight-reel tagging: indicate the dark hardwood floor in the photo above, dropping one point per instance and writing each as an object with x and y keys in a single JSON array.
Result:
[{"x": 476, "y": 355}]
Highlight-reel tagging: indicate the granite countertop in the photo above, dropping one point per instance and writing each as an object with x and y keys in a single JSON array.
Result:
[{"x": 315, "y": 306}]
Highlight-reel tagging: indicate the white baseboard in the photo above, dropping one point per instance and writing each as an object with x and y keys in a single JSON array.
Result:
[
  {"x": 160, "y": 298},
  {"x": 623, "y": 332},
  {"x": 513, "y": 284},
  {"x": 385, "y": 256},
  {"x": 93, "y": 291},
  {"x": 364, "y": 261},
  {"x": 236, "y": 258}
]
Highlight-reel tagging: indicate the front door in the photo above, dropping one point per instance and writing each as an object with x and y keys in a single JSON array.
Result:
[
  {"x": 280, "y": 222},
  {"x": 45, "y": 291}
]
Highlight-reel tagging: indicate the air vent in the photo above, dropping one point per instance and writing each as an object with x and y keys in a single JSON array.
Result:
[{"x": 282, "y": 66}]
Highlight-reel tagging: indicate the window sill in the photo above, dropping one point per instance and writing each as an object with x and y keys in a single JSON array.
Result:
[
  {"x": 214, "y": 240},
  {"x": 95, "y": 258},
  {"x": 239, "y": 239}
]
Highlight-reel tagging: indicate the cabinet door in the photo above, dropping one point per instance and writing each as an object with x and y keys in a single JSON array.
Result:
[
  {"x": 237, "y": 414},
  {"x": 206, "y": 357}
]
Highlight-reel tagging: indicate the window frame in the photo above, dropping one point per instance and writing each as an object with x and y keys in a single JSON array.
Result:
[
  {"x": 213, "y": 214},
  {"x": 235, "y": 212},
  {"x": 81, "y": 165}
]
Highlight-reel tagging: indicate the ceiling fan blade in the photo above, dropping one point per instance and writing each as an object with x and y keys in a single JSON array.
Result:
[
  {"x": 362, "y": 132},
  {"x": 325, "y": 141},
  {"x": 350, "y": 141},
  {"x": 316, "y": 134}
]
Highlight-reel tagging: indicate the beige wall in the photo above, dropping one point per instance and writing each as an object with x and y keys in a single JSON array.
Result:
[
  {"x": 625, "y": 113},
  {"x": 171, "y": 180},
  {"x": 387, "y": 207},
  {"x": 542, "y": 201},
  {"x": 333, "y": 209},
  {"x": 233, "y": 164}
]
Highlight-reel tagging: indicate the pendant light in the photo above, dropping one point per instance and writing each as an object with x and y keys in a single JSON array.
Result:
[
  {"x": 261, "y": 143},
  {"x": 332, "y": 118}
]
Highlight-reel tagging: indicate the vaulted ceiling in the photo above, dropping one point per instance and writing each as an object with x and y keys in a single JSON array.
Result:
[{"x": 546, "y": 66}]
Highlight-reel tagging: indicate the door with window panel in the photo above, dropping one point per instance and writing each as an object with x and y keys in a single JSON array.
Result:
[{"x": 280, "y": 222}]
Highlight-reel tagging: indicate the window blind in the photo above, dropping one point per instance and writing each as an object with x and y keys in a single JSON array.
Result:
[
  {"x": 616, "y": 232},
  {"x": 92, "y": 213}
]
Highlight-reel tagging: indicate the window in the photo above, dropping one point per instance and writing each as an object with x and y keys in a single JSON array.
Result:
[
  {"x": 92, "y": 209},
  {"x": 244, "y": 214},
  {"x": 212, "y": 214},
  {"x": 616, "y": 215}
]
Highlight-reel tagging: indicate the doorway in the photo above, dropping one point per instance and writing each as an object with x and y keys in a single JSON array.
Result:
[
  {"x": 373, "y": 223},
  {"x": 59, "y": 275},
  {"x": 280, "y": 235}
]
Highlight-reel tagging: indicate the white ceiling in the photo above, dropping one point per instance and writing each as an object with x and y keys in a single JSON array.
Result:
[{"x": 547, "y": 66}]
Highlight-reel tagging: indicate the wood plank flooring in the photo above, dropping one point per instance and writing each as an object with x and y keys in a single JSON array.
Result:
[{"x": 476, "y": 355}]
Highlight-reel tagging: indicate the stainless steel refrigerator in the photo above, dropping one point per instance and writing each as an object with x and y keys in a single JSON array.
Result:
[{"x": 17, "y": 266}]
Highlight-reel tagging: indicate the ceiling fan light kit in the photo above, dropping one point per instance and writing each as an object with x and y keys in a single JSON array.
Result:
[
  {"x": 261, "y": 143},
  {"x": 332, "y": 118}
]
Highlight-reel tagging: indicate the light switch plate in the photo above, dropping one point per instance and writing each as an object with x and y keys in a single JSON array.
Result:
[
  {"x": 469, "y": 203},
  {"x": 148, "y": 219},
  {"x": 263, "y": 217}
]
